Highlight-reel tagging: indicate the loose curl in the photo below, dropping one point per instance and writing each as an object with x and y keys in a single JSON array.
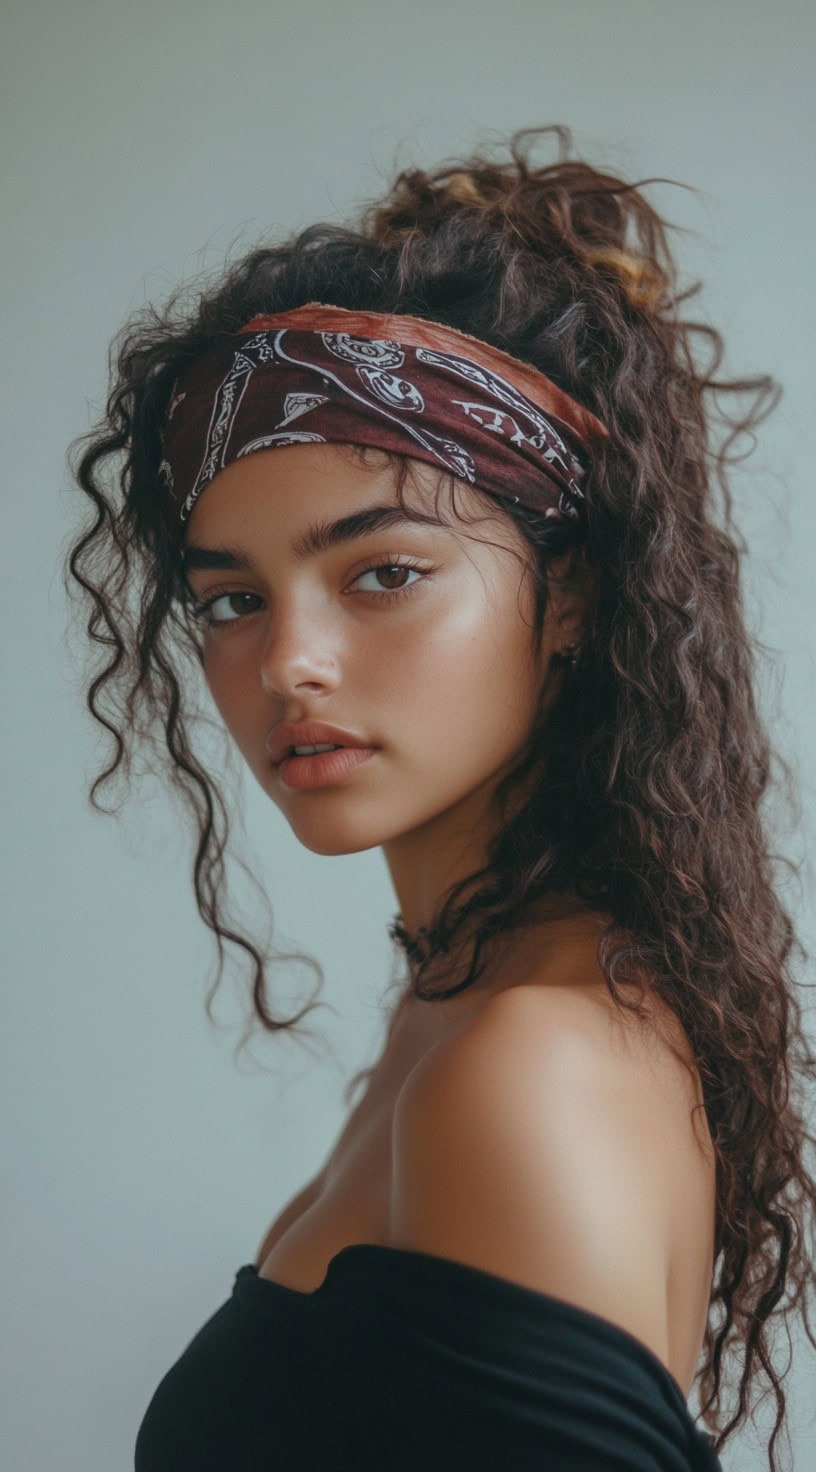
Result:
[{"x": 648, "y": 788}]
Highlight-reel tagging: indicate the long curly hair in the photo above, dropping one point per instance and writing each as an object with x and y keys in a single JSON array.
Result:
[{"x": 647, "y": 795}]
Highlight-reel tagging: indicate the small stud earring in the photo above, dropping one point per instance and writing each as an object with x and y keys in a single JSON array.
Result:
[{"x": 570, "y": 653}]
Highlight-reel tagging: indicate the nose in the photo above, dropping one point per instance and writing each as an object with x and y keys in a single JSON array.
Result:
[{"x": 297, "y": 654}]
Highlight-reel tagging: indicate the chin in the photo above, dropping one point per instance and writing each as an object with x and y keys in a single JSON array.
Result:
[
  {"x": 331, "y": 835},
  {"x": 351, "y": 832},
  {"x": 331, "y": 850}
]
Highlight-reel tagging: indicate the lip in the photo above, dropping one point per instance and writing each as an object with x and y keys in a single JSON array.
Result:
[
  {"x": 284, "y": 736},
  {"x": 325, "y": 768}
]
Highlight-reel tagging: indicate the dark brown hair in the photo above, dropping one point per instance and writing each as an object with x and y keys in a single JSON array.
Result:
[{"x": 649, "y": 790}]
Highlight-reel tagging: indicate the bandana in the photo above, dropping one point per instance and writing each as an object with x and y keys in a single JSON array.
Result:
[{"x": 320, "y": 374}]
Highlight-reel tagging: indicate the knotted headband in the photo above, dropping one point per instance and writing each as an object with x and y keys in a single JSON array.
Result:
[{"x": 321, "y": 374}]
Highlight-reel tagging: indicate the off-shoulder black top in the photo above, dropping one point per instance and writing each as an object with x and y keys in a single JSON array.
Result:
[{"x": 402, "y": 1361}]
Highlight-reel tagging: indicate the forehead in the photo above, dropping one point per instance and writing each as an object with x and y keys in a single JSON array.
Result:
[
  {"x": 287, "y": 476},
  {"x": 319, "y": 495}
]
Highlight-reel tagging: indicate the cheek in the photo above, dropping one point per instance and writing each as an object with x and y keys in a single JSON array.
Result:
[
  {"x": 238, "y": 698},
  {"x": 464, "y": 685}
]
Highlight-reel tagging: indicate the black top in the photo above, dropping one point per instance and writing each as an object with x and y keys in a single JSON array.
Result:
[{"x": 403, "y": 1361}]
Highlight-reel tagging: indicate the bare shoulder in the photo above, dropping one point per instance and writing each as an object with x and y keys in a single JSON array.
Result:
[
  {"x": 547, "y": 1028},
  {"x": 533, "y": 1144}
]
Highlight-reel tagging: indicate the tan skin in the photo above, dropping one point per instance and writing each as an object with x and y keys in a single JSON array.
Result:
[{"x": 444, "y": 682}]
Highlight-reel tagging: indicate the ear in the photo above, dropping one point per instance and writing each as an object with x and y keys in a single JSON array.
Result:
[{"x": 571, "y": 583}]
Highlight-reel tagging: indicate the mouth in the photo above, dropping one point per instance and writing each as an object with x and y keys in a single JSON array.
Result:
[
  {"x": 288, "y": 738},
  {"x": 324, "y": 768},
  {"x": 305, "y": 750}
]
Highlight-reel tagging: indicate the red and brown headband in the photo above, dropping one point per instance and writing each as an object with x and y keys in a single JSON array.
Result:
[{"x": 323, "y": 374}]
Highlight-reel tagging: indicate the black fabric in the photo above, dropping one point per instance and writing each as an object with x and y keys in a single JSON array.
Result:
[{"x": 403, "y": 1361}]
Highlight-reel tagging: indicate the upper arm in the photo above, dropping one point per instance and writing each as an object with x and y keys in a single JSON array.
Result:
[{"x": 525, "y": 1147}]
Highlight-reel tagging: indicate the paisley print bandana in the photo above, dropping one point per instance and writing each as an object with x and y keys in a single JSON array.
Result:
[{"x": 320, "y": 374}]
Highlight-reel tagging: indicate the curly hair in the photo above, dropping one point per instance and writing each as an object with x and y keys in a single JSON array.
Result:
[{"x": 647, "y": 797}]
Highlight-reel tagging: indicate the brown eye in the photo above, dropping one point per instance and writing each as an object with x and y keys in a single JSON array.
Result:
[
  {"x": 204, "y": 612},
  {"x": 393, "y": 569}
]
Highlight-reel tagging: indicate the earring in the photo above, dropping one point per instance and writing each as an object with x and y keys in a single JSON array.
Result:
[{"x": 570, "y": 653}]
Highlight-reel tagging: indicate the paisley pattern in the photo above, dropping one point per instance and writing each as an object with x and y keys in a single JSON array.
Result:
[
  {"x": 290, "y": 437},
  {"x": 397, "y": 392},
  {"x": 245, "y": 393},
  {"x": 364, "y": 349}
]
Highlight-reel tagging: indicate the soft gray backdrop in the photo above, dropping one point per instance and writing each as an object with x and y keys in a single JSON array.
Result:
[{"x": 141, "y": 142}]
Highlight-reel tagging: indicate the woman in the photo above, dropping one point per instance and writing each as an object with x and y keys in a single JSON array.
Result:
[{"x": 437, "y": 493}]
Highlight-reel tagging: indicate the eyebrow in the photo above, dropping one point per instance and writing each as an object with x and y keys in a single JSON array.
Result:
[{"x": 318, "y": 538}]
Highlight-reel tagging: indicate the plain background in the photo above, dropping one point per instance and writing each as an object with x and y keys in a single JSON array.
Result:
[{"x": 140, "y": 144}]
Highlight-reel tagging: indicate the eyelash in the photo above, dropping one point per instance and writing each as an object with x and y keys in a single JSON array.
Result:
[{"x": 201, "y": 611}]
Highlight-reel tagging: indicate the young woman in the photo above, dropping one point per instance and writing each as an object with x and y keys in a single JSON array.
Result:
[{"x": 437, "y": 492}]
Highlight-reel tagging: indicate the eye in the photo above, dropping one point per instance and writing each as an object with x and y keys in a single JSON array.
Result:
[
  {"x": 397, "y": 566},
  {"x": 204, "y": 612}
]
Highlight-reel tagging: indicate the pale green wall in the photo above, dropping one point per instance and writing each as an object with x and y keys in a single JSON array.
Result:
[{"x": 139, "y": 143}]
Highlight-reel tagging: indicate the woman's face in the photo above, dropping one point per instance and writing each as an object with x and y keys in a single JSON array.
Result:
[{"x": 431, "y": 663}]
